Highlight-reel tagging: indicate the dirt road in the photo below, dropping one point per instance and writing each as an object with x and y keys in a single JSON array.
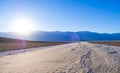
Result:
[{"x": 68, "y": 58}]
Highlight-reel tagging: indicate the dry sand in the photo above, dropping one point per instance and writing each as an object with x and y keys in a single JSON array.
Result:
[{"x": 68, "y": 58}]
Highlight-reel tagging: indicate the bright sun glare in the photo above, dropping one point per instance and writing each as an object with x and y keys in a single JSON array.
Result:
[{"x": 22, "y": 26}]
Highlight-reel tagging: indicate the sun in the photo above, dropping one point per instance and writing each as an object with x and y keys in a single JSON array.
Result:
[{"x": 22, "y": 26}]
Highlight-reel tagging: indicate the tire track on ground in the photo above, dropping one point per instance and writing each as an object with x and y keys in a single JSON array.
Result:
[{"x": 86, "y": 61}]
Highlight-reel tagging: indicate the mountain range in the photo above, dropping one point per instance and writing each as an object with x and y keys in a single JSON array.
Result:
[{"x": 58, "y": 36}]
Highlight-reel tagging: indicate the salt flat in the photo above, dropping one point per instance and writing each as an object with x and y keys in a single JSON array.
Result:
[{"x": 68, "y": 58}]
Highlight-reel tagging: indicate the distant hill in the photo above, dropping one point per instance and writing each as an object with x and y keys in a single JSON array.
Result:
[
  {"x": 57, "y": 36},
  {"x": 11, "y": 40}
]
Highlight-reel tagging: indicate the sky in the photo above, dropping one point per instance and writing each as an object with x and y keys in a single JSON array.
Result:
[{"x": 101, "y": 16}]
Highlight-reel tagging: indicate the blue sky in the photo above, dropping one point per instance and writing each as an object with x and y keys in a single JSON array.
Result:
[{"x": 63, "y": 15}]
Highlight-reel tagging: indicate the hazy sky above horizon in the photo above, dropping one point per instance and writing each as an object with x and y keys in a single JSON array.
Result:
[{"x": 63, "y": 15}]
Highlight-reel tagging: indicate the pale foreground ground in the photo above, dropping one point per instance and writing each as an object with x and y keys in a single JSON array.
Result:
[{"x": 68, "y": 58}]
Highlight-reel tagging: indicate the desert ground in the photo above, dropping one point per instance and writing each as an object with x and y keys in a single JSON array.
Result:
[
  {"x": 24, "y": 45},
  {"x": 112, "y": 43},
  {"x": 79, "y": 57}
]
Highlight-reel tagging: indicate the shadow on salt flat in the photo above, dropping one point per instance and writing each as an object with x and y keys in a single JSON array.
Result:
[{"x": 113, "y": 52}]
